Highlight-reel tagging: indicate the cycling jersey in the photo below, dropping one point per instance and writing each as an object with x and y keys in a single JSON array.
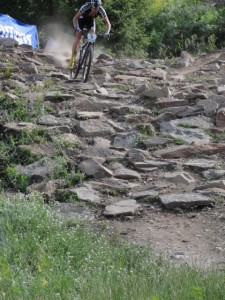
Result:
[
  {"x": 87, "y": 18},
  {"x": 86, "y": 11}
]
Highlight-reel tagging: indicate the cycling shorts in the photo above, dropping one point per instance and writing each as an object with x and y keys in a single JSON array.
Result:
[{"x": 85, "y": 23}]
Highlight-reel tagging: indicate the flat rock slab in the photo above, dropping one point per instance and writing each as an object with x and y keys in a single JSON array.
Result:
[
  {"x": 50, "y": 120},
  {"x": 179, "y": 178},
  {"x": 8, "y": 42},
  {"x": 156, "y": 93},
  {"x": 86, "y": 193},
  {"x": 170, "y": 102},
  {"x": 73, "y": 210},
  {"x": 126, "y": 140},
  {"x": 156, "y": 141},
  {"x": 211, "y": 67},
  {"x": 190, "y": 129},
  {"x": 59, "y": 75},
  {"x": 121, "y": 172},
  {"x": 55, "y": 96},
  {"x": 152, "y": 194},
  {"x": 125, "y": 207},
  {"x": 152, "y": 163},
  {"x": 189, "y": 150},
  {"x": 213, "y": 192},
  {"x": 119, "y": 185},
  {"x": 212, "y": 184},
  {"x": 37, "y": 149},
  {"x": 14, "y": 127},
  {"x": 202, "y": 164},
  {"x": 104, "y": 153},
  {"x": 213, "y": 174},
  {"x": 82, "y": 115},
  {"x": 184, "y": 200},
  {"x": 130, "y": 79},
  {"x": 94, "y": 128},
  {"x": 92, "y": 168}
]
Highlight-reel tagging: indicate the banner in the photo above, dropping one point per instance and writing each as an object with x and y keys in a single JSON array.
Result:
[{"x": 22, "y": 33}]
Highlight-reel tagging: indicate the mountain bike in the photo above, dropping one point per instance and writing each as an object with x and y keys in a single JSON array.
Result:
[{"x": 85, "y": 57}]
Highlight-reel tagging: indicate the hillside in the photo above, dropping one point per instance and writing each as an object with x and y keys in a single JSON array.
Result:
[{"x": 140, "y": 147}]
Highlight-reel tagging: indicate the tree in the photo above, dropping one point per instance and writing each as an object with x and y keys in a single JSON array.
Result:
[{"x": 128, "y": 30}]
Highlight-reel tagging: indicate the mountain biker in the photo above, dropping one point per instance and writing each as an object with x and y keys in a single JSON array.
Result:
[{"x": 85, "y": 17}]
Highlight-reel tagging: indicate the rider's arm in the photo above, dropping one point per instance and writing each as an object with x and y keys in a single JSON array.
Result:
[
  {"x": 75, "y": 18},
  {"x": 107, "y": 25},
  {"x": 106, "y": 19}
]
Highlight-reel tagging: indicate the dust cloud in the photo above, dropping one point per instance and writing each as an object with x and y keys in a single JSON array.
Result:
[{"x": 59, "y": 41}]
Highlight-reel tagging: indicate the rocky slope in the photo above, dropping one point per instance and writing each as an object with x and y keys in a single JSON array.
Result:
[{"x": 137, "y": 150}]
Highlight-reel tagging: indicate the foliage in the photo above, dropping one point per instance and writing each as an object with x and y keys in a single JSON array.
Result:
[
  {"x": 30, "y": 11},
  {"x": 7, "y": 73},
  {"x": 15, "y": 180},
  {"x": 158, "y": 28},
  {"x": 44, "y": 257},
  {"x": 216, "y": 137},
  {"x": 11, "y": 155},
  {"x": 178, "y": 140},
  {"x": 186, "y": 125},
  {"x": 146, "y": 130},
  {"x": 63, "y": 171},
  {"x": 128, "y": 32},
  {"x": 65, "y": 196},
  {"x": 182, "y": 27},
  {"x": 20, "y": 109}
]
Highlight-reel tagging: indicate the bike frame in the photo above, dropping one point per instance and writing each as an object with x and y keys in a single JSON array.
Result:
[
  {"x": 85, "y": 56},
  {"x": 86, "y": 44}
]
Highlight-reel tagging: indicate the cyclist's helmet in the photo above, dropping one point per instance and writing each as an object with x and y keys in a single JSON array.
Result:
[{"x": 96, "y": 3}]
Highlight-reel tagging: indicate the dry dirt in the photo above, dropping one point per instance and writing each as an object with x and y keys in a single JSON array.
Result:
[{"x": 196, "y": 238}]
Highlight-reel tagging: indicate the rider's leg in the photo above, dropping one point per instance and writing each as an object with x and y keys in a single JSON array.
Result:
[{"x": 75, "y": 47}]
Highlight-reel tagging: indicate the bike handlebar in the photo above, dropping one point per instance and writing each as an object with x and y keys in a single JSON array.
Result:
[{"x": 101, "y": 35}]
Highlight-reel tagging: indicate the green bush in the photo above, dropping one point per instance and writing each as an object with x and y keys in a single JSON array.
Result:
[
  {"x": 182, "y": 27},
  {"x": 15, "y": 180}
]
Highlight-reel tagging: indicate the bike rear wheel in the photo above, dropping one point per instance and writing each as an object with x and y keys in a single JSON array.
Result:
[{"x": 87, "y": 63}]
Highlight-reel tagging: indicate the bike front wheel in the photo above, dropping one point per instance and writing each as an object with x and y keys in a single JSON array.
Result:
[
  {"x": 74, "y": 72},
  {"x": 87, "y": 63},
  {"x": 76, "y": 67}
]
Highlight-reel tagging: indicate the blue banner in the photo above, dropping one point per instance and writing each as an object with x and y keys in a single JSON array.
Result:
[{"x": 22, "y": 33}]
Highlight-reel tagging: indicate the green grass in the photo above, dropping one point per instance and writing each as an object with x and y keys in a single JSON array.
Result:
[
  {"x": 62, "y": 171},
  {"x": 10, "y": 156},
  {"x": 15, "y": 180},
  {"x": 146, "y": 130},
  {"x": 20, "y": 109},
  {"x": 178, "y": 140},
  {"x": 45, "y": 257},
  {"x": 186, "y": 125},
  {"x": 216, "y": 137}
]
